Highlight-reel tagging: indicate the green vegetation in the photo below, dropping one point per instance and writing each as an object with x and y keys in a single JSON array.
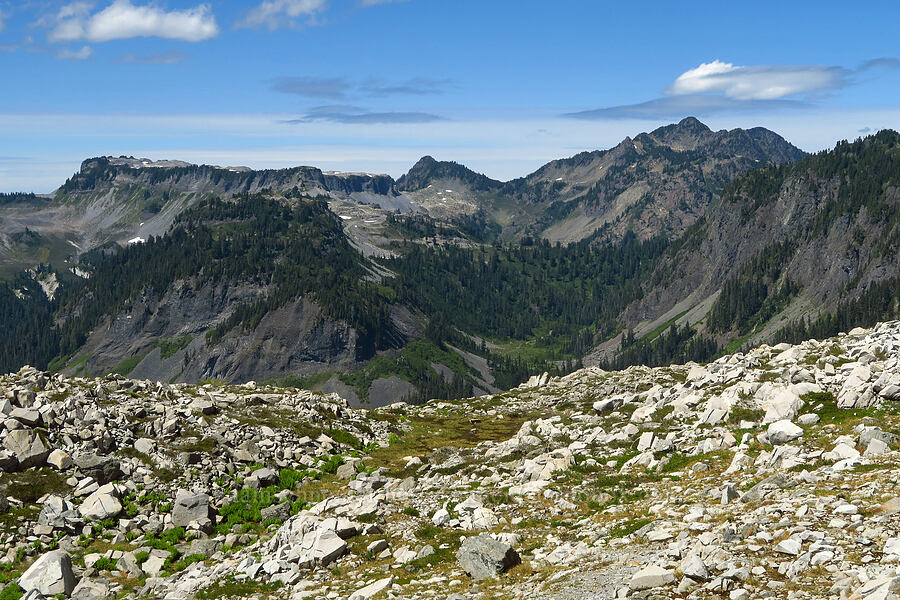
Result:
[
  {"x": 517, "y": 291},
  {"x": 679, "y": 344},
  {"x": 624, "y": 528},
  {"x": 414, "y": 365},
  {"x": 232, "y": 588},
  {"x": 168, "y": 347},
  {"x": 125, "y": 367},
  {"x": 12, "y": 592},
  {"x": 105, "y": 564},
  {"x": 756, "y": 294},
  {"x": 303, "y": 382},
  {"x": 28, "y": 486},
  {"x": 879, "y": 302}
]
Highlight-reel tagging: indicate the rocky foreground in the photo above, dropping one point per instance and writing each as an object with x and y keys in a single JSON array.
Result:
[{"x": 771, "y": 474}]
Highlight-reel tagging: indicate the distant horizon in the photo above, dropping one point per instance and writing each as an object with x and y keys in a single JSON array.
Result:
[
  {"x": 257, "y": 166},
  {"x": 370, "y": 85}
]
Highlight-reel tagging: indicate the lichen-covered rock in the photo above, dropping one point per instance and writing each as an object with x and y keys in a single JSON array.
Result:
[{"x": 482, "y": 556}]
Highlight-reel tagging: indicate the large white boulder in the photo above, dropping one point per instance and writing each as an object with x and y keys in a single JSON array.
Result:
[
  {"x": 51, "y": 574},
  {"x": 783, "y": 432}
]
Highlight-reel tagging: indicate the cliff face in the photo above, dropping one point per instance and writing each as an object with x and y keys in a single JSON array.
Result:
[
  {"x": 295, "y": 339},
  {"x": 829, "y": 224}
]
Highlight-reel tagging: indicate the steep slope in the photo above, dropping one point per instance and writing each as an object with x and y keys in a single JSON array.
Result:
[
  {"x": 658, "y": 182},
  {"x": 785, "y": 243}
]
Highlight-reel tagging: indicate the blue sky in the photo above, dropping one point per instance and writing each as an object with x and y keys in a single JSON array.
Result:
[{"x": 369, "y": 85}]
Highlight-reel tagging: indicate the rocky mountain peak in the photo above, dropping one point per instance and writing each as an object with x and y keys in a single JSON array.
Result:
[{"x": 428, "y": 170}]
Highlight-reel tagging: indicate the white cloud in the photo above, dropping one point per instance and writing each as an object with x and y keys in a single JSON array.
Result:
[
  {"x": 758, "y": 82},
  {"x": 124, "y": 20},
  {"x": 279, "y": 13},
  {"x": 2, "y": 22},
  {"x": 83, "y": 53}
]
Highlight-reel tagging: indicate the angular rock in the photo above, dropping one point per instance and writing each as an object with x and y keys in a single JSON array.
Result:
[
  {"x": 482, "y": 557},
  {"x": 651, "y": 577},
  {"x": 102, "y": 504},
  {"x": 50, "y": 574},
  {"x": 60, "y": 460},
  {"x": 191, "y": 507},
  {"x": 91, "y": 590},
  {"x": 27, "y": 447},
  {"x": 783, "y": 432},
  {"x": 103, "y": 469},
  {"x": 372, "y": 589}
]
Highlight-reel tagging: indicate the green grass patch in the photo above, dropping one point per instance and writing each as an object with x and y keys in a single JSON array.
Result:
[
  {"x": 169, "y": 347},
  {"x": 825, "y": 405},
  {"x": 427, "y": 433},
  {"x": 28, "y": 486},
  {"x": 649, "y": 337},
  {"x": 12, "y": 592},
  {"x": 620, "y": 530},
  {"x": 232, "y": 588},
  {"x": 125, "y": 367}
]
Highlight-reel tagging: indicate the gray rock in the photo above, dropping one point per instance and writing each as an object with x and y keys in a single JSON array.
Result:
[
  {"x": 60, "y": 514},
  {"x": 191, "y": 507},
  {"x": 279, "y": 512},
  {"x": 764, "y": 487},
  {"x": 50, "y": 574},
  {"x": 205, "y": 546},
  {"x": 88, "y": 589},
  {"x": 261, "y": 478},
  {"x": 482, "y": 556},
  {"x": 346, "y": 471},
  {"x": 694, "y": 568},
  {"x": 145, "y": 445},
  {"x": 60, "y": 460},
  {"x": 874, "y": 433},
  {"x": 102, "y": 468},
  {"x": 651, "y": 577},
  {"x": 27, "y": 416},
  {"x": 102, "y": 504},
  {"x": 608, "y": 405},
  {"x": 372, "y": 589},
  {"x": 783, "y": 432},
  {"x": 28, "y": 448},
  {"x": 128, "y": 564}
]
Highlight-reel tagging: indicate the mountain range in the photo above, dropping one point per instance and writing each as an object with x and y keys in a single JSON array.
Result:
[{"x": 677, "y": 244}]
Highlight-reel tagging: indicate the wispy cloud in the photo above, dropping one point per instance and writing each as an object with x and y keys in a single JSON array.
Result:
[
  {"x": 2, "y": 20},
  {"x": 274, "y": 14},
  {"x": 879, "y": 63},
  {"x": 328, "y": 88},
  {"x": 124, "y": 20},
  {"x": 676, "y": 107},
  {"x": 340, "y": 88},
  {"x": 722, "y": 87},
  {"x": 157, "y": 58},
  {"x": 351, "y": 115},
  {"x": 417, "y": 86},
  {"x": 83, "y": 53}
]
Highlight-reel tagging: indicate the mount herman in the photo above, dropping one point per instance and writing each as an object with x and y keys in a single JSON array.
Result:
[{"x": 676, "y": 245}]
